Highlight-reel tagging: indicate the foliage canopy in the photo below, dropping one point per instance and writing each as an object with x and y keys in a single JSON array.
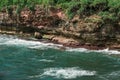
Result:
[{"x": 104, "y": 8}]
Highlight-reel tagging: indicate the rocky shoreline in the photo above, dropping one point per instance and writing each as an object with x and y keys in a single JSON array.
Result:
[
  {"x": 60, "y": 40},
  {"x": 88, "y": 32}
]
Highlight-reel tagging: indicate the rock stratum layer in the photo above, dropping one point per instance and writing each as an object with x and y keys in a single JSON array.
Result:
[{"x": 89, "y": 31}]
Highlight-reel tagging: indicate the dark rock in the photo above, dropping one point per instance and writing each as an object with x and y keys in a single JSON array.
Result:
[{"x": 37, "y": 35}]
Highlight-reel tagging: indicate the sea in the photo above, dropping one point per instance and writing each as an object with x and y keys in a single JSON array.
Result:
[{"x": 22, "y": 59}]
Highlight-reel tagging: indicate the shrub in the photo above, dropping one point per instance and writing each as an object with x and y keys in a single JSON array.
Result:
[{"x": 71, "y": 7}]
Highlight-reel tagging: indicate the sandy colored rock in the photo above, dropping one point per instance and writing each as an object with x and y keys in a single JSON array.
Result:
[{"x": 37, "y": 35}]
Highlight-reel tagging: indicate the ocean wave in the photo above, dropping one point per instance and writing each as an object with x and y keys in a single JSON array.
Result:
[
  {"x": 44, "y": 46},
  {"x": 114, "y": 74},
  {"x": 76, "y": 49},
  {"x": 111, "y": 76},
  {"x": 13, "y": 40},
  {"x": 10, "y": 40},
  {"x": 109, "y": 51},
  {"x": 65, "y": 73},
  {"x": 46, "y": 60},
  {"x": 105, "y": 51}
]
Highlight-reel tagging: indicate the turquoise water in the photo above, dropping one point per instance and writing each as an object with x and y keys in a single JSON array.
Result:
[{"x": 32, "y": 60}]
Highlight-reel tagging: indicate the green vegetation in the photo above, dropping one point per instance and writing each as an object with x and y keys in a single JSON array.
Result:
[{"x": 107, "y": 9}]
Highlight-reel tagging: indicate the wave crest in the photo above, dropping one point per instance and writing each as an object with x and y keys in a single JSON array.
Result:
[
  {"x": 105, "y": 51},
  {"x": 65, "y": 73},
  {"x": 13, "y": 40},
  {"x": 10, "y": 40}
]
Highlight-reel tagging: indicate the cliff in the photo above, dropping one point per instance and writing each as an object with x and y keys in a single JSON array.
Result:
[{"x": 80, "y": 31}]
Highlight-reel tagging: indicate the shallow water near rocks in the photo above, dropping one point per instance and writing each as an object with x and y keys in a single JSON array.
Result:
[{"x": 31, "y": 60}]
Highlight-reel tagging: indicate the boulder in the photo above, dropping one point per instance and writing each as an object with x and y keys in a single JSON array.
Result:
[{"x": 37, "y": 35}]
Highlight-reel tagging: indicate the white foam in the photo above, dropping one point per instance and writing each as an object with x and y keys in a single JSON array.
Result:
[
  {"x": 45, "y": 60},
  {"x": 5, "y": 40},
  {"x": 104, "y": 51},
  {"x": 109, "y": 51},
  {"x": 76, "y": 49},
  {"x": 45, "y": 46},
  {"x": 113, "y": 75},
  {"x": 65, "y": 73},
  {"x": 11, "y": 40}
]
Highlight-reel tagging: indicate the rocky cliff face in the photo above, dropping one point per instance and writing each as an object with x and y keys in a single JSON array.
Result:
[{"x": 54, "y": 25}]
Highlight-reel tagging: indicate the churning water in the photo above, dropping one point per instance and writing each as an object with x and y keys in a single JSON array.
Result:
[{"x": 32, "y": 60}]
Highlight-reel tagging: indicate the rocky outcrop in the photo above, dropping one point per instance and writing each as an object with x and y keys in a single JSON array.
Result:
[{"x": 90, "y": 32}]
